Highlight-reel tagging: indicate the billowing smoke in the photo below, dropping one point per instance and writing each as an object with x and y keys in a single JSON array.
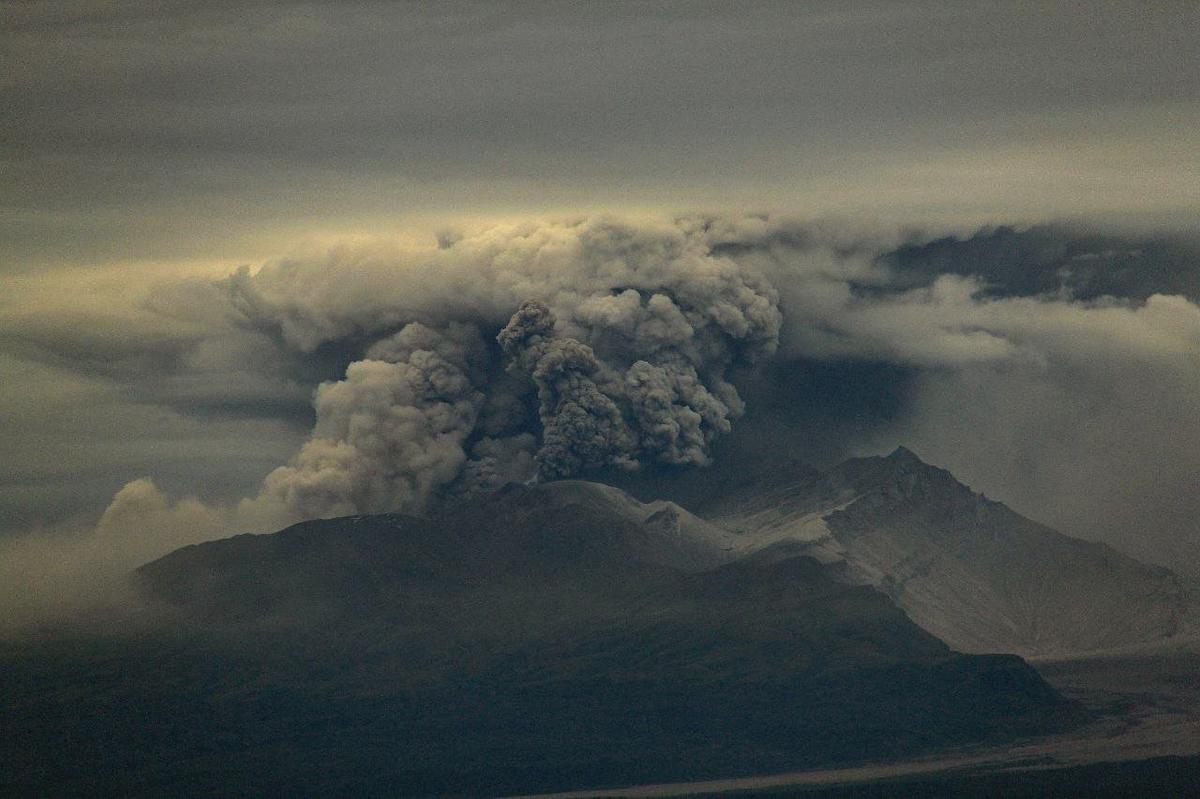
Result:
[
  {"x": 582, "y": 426},
  {"x": 617, "y": 354},
  {"x": 598, "y": 413},
  {"x": 393, "y": 430}
]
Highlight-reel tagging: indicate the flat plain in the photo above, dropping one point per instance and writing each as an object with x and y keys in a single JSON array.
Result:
[{"x": 1143, "y": 739}]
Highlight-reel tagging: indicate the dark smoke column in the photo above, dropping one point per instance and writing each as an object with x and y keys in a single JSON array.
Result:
[{"x": 582, "y": 427}]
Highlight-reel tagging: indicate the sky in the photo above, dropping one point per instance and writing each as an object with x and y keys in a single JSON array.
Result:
[
  {"x": 149, "y": 132},
  {"x": 977, "y": 221}
]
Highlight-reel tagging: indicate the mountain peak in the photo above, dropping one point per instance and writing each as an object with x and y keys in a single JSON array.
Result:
[
  {"x": 899, "y": 473},
  {"x": 905, "y": 456}
]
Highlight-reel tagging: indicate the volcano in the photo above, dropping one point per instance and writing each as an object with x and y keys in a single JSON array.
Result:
[{"x": 545, "y": 637}]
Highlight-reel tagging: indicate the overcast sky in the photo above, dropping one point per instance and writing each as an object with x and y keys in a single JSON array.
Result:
[
  {"x": 172, "y": 130},
  {"x": 150, "y": 148}
]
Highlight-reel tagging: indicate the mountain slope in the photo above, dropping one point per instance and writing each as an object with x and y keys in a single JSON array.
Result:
[
  {"x": 547, "y": 637},
  {"x": 970, "y": 570}
]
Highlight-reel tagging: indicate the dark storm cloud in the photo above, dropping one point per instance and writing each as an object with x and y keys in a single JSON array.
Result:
[{"x": 1057, "y": 261}]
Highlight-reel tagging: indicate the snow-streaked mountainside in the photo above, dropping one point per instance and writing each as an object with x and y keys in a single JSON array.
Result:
[
  {"x": 657, "y": 532},
  {"x": 542, "y": 637},
  {"x": 976, "y": 574},
  {"x": 967, "y": 569}
]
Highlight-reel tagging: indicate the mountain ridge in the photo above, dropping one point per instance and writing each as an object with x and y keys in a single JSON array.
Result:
[
  {"x": 964, "y": 567},
  {"x": 967, "y": 568}
]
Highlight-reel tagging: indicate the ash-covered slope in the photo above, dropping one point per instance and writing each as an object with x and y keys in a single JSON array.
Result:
[
  {"x": 549, "y": 637},
  {"x": 970, "y": 570},
  {"x": 537, "y": 536}
]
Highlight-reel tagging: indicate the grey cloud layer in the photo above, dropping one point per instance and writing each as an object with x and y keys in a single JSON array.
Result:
[{"x": 216, "y": 122}]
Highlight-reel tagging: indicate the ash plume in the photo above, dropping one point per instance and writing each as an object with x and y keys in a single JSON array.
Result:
[
  {"x": 393, "y": 430},
  {"x": 582, "y": 427},
  {"x": 519, "y": 354}
]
